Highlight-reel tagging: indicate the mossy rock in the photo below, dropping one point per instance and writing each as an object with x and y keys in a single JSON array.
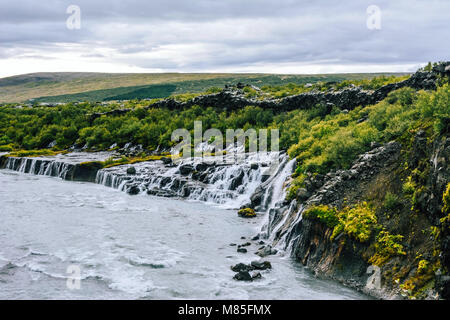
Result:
[{"x": 247, "y": 213}]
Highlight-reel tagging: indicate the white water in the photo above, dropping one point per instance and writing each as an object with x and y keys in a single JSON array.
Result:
[{"x": 131, "y": 247}]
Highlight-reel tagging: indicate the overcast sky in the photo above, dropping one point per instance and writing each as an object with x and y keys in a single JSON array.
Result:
[{"x": 278, "y": 36}]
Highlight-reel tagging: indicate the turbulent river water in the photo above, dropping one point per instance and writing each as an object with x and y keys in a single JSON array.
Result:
[{"x": 132, "y": 247}]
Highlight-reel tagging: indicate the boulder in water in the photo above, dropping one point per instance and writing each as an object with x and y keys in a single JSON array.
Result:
[
  {"x": 265, "y": 251},
  {"x": 241, "y": 250},
  {"x": 247, "y": 213},
  {"x": 242, "y": 267},
  {"x": 186, "y": 169},
  {"x": 133, "y": 190},
  {"x": 131, "y": 170},
  {"x": 256, "y": 275},
  {"x": 261, "y": 265},
  {"x": 243, "y": 276}
]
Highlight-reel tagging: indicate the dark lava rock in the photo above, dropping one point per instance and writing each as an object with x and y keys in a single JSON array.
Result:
[
  {"x": 243, "y": 276},
  {"x": 242, "y": 267},
  {"x": 242, "y": 250},
  {"x": 303, "y": 194},
  {"x": 133, "y": 190},
  {"x": 201, "y": 166},
  {"x": 265, "y": 251},
  {"x": 186, "y": 169},
  {"x": 237, "y": 180},
  {"x": 255, "y": 238},
  {"x": 256, "y": 275},
  {"x": 244, "y": 245},
  {"x": 254, "y": 166},
  {"x": 232, "y": 244},
  {"x": 261, "y": 265},
  {"x": 166, "y": 160},
  {"x": 131, "y": 170}
]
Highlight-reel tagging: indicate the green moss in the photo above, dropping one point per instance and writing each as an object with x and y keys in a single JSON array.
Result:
[
  {"x": 386, "y": 247},
  {"x": 409, "y": 187},
  {"x": 324, "y": 214},
  {"x": 446, "y": 200},
  {"x": 357, "y": 222},
  {"x": 297, "y": 183},
  {"x": 33, "y": 153},
  {"x": 6, "y": 148},
  {"x": 247, "y": 213}
]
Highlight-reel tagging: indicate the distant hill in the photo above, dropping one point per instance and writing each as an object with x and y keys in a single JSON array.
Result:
[{"x": 80, "y": 86}]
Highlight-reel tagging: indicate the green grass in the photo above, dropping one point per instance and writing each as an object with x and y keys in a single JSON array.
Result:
[{"x": 69, "y": 87}]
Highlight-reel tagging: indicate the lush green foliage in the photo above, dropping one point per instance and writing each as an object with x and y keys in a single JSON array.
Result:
[
  {"x": 386, "y": 247},
  {"x": 358, "y": 222},
  {"x": 320, "y": 140},
  {"x": 324, "y": 214}
]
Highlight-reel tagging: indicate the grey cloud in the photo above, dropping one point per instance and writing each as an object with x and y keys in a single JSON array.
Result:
[{"x": 217, "y": 34}]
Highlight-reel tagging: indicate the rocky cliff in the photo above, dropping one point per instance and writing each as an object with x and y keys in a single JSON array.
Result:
[{"x": 406, "y": 253}]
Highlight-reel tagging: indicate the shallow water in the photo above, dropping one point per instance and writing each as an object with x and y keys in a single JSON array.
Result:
[{"x": 132, "y": 247}]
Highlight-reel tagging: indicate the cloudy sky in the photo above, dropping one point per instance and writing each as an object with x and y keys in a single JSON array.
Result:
[{"x": 278, "y": 36}]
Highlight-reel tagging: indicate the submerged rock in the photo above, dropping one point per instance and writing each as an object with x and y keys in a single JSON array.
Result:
[
  {"x": 241, "y": 250},
  {"x": 131, "y": 170}
]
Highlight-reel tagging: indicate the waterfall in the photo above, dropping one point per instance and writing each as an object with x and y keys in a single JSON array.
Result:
[
  {"x": 226, "y": 183},
  {"x": 39, "y": 166}
]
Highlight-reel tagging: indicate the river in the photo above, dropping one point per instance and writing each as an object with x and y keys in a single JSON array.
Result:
[{"x": 132, "y": 247}]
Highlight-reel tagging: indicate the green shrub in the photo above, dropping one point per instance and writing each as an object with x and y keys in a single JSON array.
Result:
[
  {"x": 391, "y": 201},
  {"x": 409, "y": 187},
  {"x": 323, "y": 213},
  {"x": 386, "y": 247},
  {"x": 357, "y": 222}
]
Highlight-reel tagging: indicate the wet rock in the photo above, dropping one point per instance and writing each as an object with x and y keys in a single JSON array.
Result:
[
  {"x": 303, "y": 194},
  {"x": 201, "y": 167},
  {"x": 265, "y": 251},
  {"x": 186, "y": 169},
  {"x": 242, "y": 267},
  {"x": 131, "y": 170},
  {"x": 237, "y": 180},
  {"x": 133, "y": 190},
  {"x": 256, "y": 275},
  {"x": 166, "y": 160},
  {"x": 247, "y": 213},
  {"x": 255, "y": 238},
  {"x": 243, "y": 276},
  {"x": 244, "y": 245},
  {"x": 254, "y": 166},
  {"x": 261, "y": 265},
  {"x": 242, "y": 250},
  {"x": 232, "y": 244}
]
